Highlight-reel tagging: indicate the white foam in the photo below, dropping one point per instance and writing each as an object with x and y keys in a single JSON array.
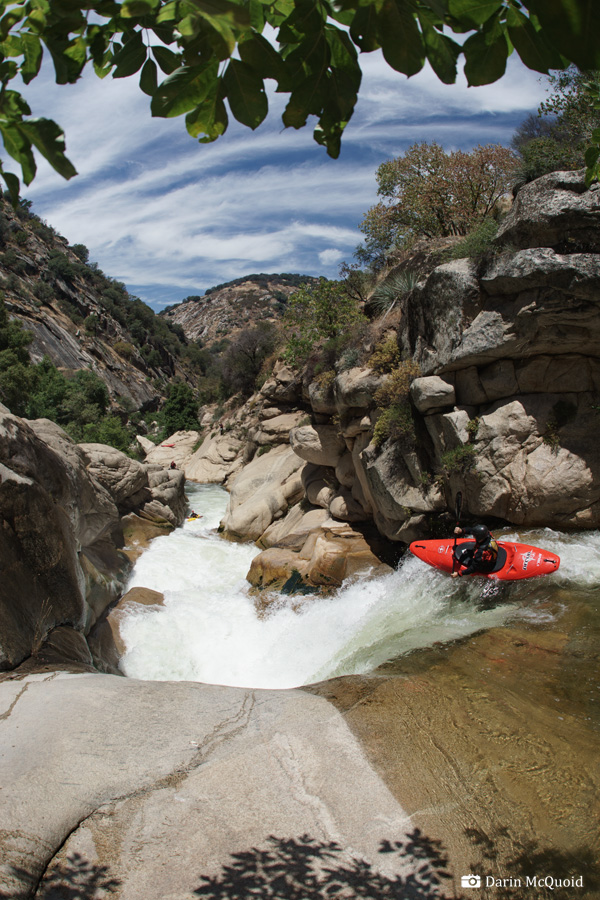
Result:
[{"x": 209, "y": 630}]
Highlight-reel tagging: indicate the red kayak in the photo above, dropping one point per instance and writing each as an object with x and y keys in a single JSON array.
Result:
[{"x": 514, "y": 562}]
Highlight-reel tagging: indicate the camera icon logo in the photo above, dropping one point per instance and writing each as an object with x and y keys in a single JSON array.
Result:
[{"x": 470, "y": 881}]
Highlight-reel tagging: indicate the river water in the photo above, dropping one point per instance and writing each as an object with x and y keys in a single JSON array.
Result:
[{"x": 210, "y": 628}]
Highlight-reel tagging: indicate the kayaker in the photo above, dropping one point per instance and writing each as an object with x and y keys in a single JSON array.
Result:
[{"x": 482, "y": 557}]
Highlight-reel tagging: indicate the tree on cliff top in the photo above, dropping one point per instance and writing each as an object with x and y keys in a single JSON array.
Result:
[
  {"x": 564, "y": 127},
  {"x": 430, "y": 193},
  {"x": 193, "y": 55}
]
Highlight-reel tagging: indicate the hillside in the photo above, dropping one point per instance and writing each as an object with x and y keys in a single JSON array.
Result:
[
  {"x": 224, "y": 311},
  {"x": 82, "y": 320}
]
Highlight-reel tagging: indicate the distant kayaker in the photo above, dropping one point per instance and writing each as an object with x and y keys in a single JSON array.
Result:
[{"x": 482, "y": 557}]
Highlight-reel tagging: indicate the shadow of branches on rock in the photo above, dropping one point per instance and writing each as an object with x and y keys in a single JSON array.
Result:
[
  {"x": 306, "y": 869},
  {"x": 73, "y": 879}
]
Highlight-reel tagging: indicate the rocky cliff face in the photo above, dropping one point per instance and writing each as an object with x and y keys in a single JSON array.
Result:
[
  {"x": 506, "y": 407},
  {"x": 63, "y": 508},
  {"x": 79, "y": 318}
]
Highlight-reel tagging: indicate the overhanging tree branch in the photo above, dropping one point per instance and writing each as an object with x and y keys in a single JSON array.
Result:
[{"x": 315, "y": 59}]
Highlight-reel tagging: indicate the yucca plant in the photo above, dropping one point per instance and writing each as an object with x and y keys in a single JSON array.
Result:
[{"x": 386, "y": 295}]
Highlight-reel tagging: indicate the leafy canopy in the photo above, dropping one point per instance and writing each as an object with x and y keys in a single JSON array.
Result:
[
  {"x": 193, "y": 55},
  {"x": 316, "y": 313},
  {"x": 430, "y": 193},
  {"x": 566, "y": 130}
]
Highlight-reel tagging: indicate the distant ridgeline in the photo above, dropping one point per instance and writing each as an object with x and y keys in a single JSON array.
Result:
[
  {"x": 77, "y": 348},
  {"x": 223, "y": 307}
]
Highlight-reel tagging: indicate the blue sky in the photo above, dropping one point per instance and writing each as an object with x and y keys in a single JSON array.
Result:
[{"x": 170, "y": 217}]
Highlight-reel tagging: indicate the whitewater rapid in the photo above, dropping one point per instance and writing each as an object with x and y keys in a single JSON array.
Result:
[{"x": 209, "y": 629}]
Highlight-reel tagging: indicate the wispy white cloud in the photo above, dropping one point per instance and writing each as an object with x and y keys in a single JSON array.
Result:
[{"x": 168, "y": 216}]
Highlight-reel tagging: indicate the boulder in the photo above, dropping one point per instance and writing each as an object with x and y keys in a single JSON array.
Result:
[
  {"x": 105, "y": 641},
  {"x": 138, "y": 531},
  {"x": 291, "y": 531},
  {"x": 285, "y": 386},
  {"x": 469, "y": 390},
  {"x": 351, "y": 426},
  {"x": 432, "y": 393},
  {"x": 124, "y": 478},
  {"x": 338, "y": 553},
  {"x": 167, "y": 501},
  {"x": 150, "y": 490},
  {"x": 321, "y": 398},
  {"x": 318, "y": 483},
  {"x": 58, "y": 555},
  {"x": 554, "y": 210},
  {"x": 177, "y": 448},
  {"x": 513, "y": 273},
  {"x": 276, "y": 430},
  {"x": 447, "y": 431},
  {"x": 90, "y": 507},
  {"x": 344, "y": 471},
  {"x": 538, "y": 463},
  {"x": 274, "y": 566},
  {"x": 355, "y": 389},
  {"x": 343, "y": 506},
  {"x": 396, "y": 489},
  {"x": 262, "y": 492},
  {"x": 437, "y": 313},
  {"x": 329, "y": 555},
  {"x": 145, "y": 443},
  {"x": 322, "y": 445},
  {"x": 216, "y": 461}
]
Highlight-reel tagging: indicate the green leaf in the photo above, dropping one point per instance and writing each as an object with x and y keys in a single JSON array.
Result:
[
  {"x": 486, "y": 53},
  {"x": 442, "y": 53},
  {"x": 474, "y": 12},
  {"x": 133, "y": 9},
  {"x": 400, "y": 38},
  {"x": 9, "y": 21},
  {"x": 13, "y": 105},
  {"x": 257, "y": 15},
  {"x": 12, "y": 46},
  {"x": 439, "y": 7},
  {"x": 148, "y": 77},
  {"x": 572, "y": 26},
  {"x": 208, "y": 121},
  {"x": 217, "y": 9},
  {"x": 184, "y": 90},
  {"x": 530, "y": 44},
  {"x": 32, "y": 50},
  {"x": 131, "y": 57},
  {"x": 13, "y": 185},
  {"x": 256, "y": 51},
  {"x": 68, "y": 59},
  {"x": 167, "y": 13},
  {"x": 307, "y": 99},
  {"x": 344, "y": 78},
  {"x": 311, "y": 57},
  {"x": 19, "y": 147},
  {"x": 49, "y": 139},
  {"x": 245, "y": 92},
  {"x": 329, "y": 137},
  {"x": 364, "y": 28},
  {"x": 307, "y": 17},
  {"x": 592, "y": 155},
  {"x": 166, "y": 59},
  {"x": 596, "y": 135}
]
